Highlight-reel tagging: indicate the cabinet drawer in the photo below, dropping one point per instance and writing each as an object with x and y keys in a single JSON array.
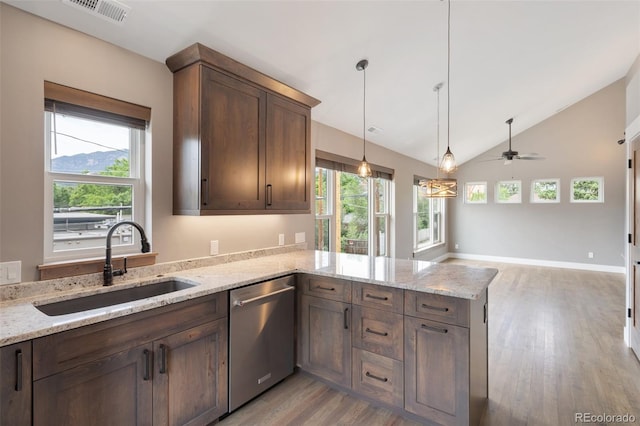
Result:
[
  {"x": 326, "y": 287},
  {"x": 377, "y": 296},
  {"x": 377, "y": 331},
  {"x": 61, "y": 351},
  {"x": 378, "y": 377},
  {"x": 436, "y": 307}
]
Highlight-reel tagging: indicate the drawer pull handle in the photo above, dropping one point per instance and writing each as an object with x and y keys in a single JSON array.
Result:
[
  {"x": 19, "y": 370},
  {"x": 346, "y": 318},
  {"x": 439, "y": 330},
  {"x": 379, "y": 333},
  {"x": 163, "y": 359},
  {"x": 371, "y": 296},
  {"x": 382, "y": 379},
  {"x": 319, "y": 287},
  {"x": 147, "y": 364},
  {"x": 435, "y": 308}
]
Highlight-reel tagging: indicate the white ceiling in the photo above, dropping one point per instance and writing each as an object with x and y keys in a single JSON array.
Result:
[{"x": 522, "y": 59}]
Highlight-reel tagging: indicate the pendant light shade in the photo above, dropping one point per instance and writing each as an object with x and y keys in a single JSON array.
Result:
[
  {"x": 448, "y": 164},
  {"x": 364, "y": 170}
]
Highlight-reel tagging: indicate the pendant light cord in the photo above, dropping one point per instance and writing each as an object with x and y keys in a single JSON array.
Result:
[
  {"x": 364, "y": 112},
  {"x": 448, "y": 70}
]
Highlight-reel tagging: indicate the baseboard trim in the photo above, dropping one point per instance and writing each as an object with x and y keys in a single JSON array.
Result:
[{"x": 535, "y": 262}]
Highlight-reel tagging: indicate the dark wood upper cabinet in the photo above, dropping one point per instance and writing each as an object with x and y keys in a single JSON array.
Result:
[{"x": 241, "y": 139}]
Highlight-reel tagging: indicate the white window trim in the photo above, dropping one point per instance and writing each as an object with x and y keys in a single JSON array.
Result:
[
  {"x": 486, "y": 194},
  {"x": 432, "y": 244},
  {"x": 138, "y": 197},
  {"x": 518, "y": 200},
  {"x": 600, "y": 181},
  {"x": 542, "y": 201}
]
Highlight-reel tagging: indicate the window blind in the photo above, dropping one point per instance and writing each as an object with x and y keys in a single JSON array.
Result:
[
  {"x": 337, "y": 162},
  {"x": 67, "y": 100}
]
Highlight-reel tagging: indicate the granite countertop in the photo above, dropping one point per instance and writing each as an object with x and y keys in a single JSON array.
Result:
[{"x": 20, "y": 320}]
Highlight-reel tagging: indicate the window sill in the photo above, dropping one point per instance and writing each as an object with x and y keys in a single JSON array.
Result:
[
  {"x": 91, "y": 266},
  {"x": 423, "y": 250}
]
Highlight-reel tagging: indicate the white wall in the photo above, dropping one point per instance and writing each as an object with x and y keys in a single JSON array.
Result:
[{"x": 579, "y": 141}]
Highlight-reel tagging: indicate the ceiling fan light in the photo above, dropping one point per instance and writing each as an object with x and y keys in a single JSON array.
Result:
[{"x": 448, "y": 163}]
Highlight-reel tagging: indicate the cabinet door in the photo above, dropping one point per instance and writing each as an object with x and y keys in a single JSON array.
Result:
[
  {"x": 15, "y": 384},
  {"x": 190, "y": 382},
  {"x": 437, "y": 371},
  {"x": 288, "y": 169},
  {"x": 325, "y": 327},
  {"x": 115, "y": 390},
  {"x": 232, "y": 138}
]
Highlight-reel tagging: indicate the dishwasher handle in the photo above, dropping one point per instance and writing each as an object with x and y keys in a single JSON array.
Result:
[{"x": 241, "y": 303}]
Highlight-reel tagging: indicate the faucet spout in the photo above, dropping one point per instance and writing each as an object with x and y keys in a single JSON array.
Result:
[{"x": 108, "y": 272}]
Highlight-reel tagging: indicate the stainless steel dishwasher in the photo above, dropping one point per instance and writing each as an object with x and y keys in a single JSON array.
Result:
[{"x": 261, "y": 319}]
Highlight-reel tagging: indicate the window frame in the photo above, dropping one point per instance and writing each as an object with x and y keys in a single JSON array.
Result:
[
  {"x": 537, "y": 200},
  {"x": 517, "y": 183},
  {"x": 97, "y": 108},
  {"x": 372, "y": 215},
  {"x": 432, "y": 213},
  {"x": 467, "y": 200},
  {"x": 598, "y": 179}
]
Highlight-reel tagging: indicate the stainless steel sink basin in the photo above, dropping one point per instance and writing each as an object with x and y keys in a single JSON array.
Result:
[{"x": 115, "y": 297}]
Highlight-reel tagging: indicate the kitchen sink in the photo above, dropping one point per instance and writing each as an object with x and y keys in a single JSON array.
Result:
[{"x": 110, "y": 298}]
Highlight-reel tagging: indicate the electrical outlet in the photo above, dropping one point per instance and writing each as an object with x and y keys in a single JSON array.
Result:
[
  {"x": 590, "y": 255},
  {"x": 301, "y": 237},
  {"x": 280, "y": 239},
  {"x": 457, "y": 246},
  {"x": 11, "y": 272},
  {"x": 213, "y": 248}
]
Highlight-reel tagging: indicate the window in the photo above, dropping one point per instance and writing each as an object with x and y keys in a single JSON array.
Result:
[
  {"x": 545, "y": 191},
  {"x": 587, "y": 190},
  {"x": 428, "y": 218},
  {"x": 352, "y": 213},
  {"x": 475, "y": 192},
  {"x": 509, "y": 191},
  {"x": 94, "y": 174}
]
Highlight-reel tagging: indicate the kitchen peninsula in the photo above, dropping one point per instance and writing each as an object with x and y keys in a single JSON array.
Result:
[{"x": 411, "y": 335}]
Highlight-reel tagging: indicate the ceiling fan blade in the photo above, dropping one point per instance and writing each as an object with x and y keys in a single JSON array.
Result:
[
  {"x": 530, "y": 157},
  {"x": 491, "y": 159}
]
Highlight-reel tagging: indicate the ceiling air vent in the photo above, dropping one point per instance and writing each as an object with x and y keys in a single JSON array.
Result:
[{"x": 110, "y": 10}]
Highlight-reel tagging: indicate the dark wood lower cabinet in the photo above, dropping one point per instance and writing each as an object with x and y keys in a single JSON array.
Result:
[
  {"x": 436, "y": 371},
  {"x": 115, "y": 390},
  {"x": 166, "y": 366},
  {"x": 325, "y": 338},
  {"x": 190, "y": 384},
  {"x": 15, "y": 384}
]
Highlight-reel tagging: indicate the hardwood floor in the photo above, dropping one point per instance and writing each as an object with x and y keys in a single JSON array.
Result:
[{"x": 555, "y": 349}]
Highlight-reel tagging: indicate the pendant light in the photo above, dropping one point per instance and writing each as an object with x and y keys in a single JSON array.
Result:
[
  {"x": 448, "y": 163},
  {"x": 439, "y": 188},
  {"x": 364, "y": 170}
]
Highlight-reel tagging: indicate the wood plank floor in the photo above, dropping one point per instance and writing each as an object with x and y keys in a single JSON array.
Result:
[{"x": 555, "y": 349}]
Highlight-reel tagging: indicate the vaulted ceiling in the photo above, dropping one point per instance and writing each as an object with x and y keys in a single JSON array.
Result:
[{"x": 526, "y": 59}]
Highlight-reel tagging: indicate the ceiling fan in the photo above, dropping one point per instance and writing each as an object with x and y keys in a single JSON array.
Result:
[{"x": 510, "y": 155}]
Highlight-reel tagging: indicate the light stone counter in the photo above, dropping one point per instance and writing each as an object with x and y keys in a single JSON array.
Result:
[{"x": 20, "y": 320}]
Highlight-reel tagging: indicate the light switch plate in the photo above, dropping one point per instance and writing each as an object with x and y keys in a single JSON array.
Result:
[
  {"x": 214, "y": 248},
  {"x": 300, "y": 237},
  {"x": 10, "y": 272}
]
